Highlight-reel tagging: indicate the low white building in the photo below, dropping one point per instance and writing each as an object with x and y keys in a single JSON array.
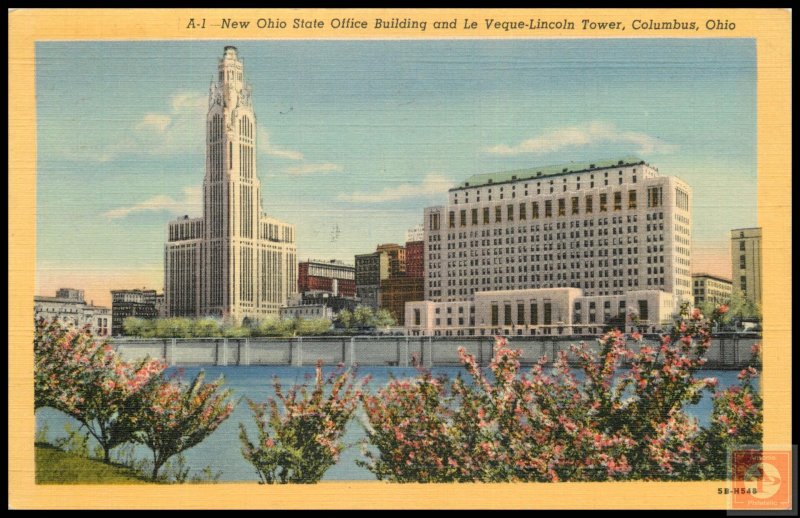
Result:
[
  {"x": 307, "y": 311},
  {"x": 69, "y": 308},
  {"x": 542, "y": 311}
]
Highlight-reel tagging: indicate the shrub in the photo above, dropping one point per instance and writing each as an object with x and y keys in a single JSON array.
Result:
[
  {"x": 176, "y": 416},
  {"x": 300, "y": 439}
]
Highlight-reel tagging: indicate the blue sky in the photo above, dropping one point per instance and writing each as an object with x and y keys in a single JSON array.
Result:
[{"x": 362, "y": 135}]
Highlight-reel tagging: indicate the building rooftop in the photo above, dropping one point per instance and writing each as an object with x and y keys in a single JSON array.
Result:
[
  {"x": 547, "y": 171},
  {"x": 712, "y": 276}
]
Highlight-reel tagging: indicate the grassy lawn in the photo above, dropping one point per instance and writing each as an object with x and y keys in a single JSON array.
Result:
[{"x": 54, "y": 466}]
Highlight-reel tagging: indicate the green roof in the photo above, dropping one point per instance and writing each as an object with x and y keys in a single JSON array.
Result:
[{"x": 545, "y": 171}]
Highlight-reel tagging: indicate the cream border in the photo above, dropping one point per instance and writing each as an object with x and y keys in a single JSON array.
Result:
[{"x": 770, "y": 27}]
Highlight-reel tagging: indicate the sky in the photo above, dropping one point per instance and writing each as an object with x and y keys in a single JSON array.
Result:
[{"x": 356, "y": 138}]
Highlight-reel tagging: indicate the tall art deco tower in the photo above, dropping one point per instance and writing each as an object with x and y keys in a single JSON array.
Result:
[{"x": 235, "y": 261}]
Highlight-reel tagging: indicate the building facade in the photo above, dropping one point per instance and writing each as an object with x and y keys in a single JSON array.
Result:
[
  {"x": 746, "y": 262},
  {"x": 605, "y": 229},
  {"x": 371, "y": 269},
  {"x": 397, "y": 258},
  {"x": 234, "y": 261},
  {"x": 133, "y": 303},
  {"x": 711, "y": 288},
  {"x": 333, "y": 277},
  {"x": 415, "y": 259},
  {"x": 396, "y": 291},
  {"x": 537, "y": 312},
  {"x": 69, "y": 308}
]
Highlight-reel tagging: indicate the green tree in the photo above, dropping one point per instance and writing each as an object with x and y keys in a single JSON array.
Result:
[
  {"x": 273, "y": 326},
  {"x": 312, "y": 326},
  {"x": 133, "y": 326},
  {"x": 383, "y": 318},
  {"x": 206, "y": 328},
  {"x": 230, "y": 330},
  {"x": 345, "y": 319},
  {"x": 363, "y": 316},
  {"x": 175, "y": 327}
]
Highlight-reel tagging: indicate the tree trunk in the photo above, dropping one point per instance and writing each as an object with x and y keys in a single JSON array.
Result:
[
  {"x": 106, "y": 455},
  {"x": 156, "y": 466}
]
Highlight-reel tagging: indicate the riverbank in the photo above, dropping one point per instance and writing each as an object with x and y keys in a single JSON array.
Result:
[{"x": 54, "y": 466}]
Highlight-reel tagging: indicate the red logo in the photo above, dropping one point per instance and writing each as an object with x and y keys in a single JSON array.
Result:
[{"x": 760, "y": 479}]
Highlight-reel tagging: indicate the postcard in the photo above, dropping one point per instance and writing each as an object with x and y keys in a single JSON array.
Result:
[{"x": 392, "y": 258}]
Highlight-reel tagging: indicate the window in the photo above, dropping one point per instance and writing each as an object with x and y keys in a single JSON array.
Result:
[
  {"x": 510, "y": 213},
  {"x": 603, "y": 202},
  {"x": 654, "y": 197},
  {"x": 463, "y": 218},
  {"x": 548, "y": 208},
  {"x": 562, "y": 207},
  {"x": 643, "y": 314},
  {"x": 522, "y": 212},
  {"x": 742, "y": 262},
  {"x": 507, "y": 314},
  {"x": 495, "y": 315},
  {"x": 434, "y": 222},
  {"x": 416, "y": 317},
  {"x": 741, "y": 246},
  {"x": 589, "y": 204},
  {"x": 631, "y": 199},
  {"x": 548, "y": 313},
  {"x": 474, "y": 216},
  {"x": 743, "y": 283},
  {"x": 575, "y": 204},
  {"x": 498, "y": 214},
  {"x": 486, "y": 215},
  {"x": 535, "y": 210},
  {"x": 617, "y": 201},
  {"x": 534, "y": 314},
  {"x": 452, "y": 220},
  {"x": 520, "y": 314}
]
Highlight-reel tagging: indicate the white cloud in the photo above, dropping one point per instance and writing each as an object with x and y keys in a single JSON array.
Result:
[
  {"x": 586, "y": 135},
  {"x": 265, "y": 146},
  {"x": 314, "y": 168},
  {"x": 157, "y": 122},
  {"x": 432, "y": 184},
  {"x": 191, "y": 202}
]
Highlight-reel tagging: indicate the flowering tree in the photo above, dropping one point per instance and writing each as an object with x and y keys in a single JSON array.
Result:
[
  {"x": 175, "y": 416},
  {"x": 736, "y": 420},
  {"x": 300, "y": 441},
  {"x": 88, "y": 381},
  {"x": 411, "y": 425},
  {"x": 552, "y": 425}
]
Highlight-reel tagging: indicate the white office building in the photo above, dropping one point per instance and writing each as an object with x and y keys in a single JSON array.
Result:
[{"x": 581, "y": 243}]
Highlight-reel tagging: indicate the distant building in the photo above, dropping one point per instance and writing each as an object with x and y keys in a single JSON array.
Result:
[
  {"x": 371, "y": 269},
  {"x": 416, "y": 233},
  {"x": 307, "y": 312},
  {"x": 711, "y": 288},
  {"x": 317, "y": 304},
  {"x": 396, "y": 291},
  {"x": 161, "y": 305},
  {"x": 746, "y": 262},
  {"x": 415, "y": 259},
  {"x": 133, "y": 303},
  {"x": 333, "y": 277},
  {"x": 70, "y": 308},
  {"x": 397, "y": 258}
]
